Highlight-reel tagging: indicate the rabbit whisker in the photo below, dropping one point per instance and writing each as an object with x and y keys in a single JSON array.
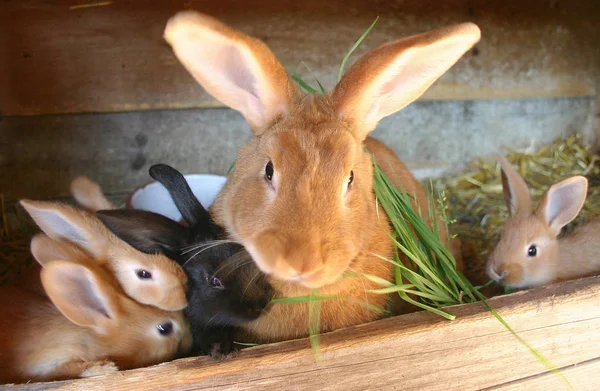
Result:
[
  {"x": 196, "y": 254},
  {"x": 196, "y": 246},
  {"x": 250, "y": 282}
]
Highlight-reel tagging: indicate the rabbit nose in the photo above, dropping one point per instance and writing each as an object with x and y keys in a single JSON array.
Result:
[{"x": 501, "y": 274}]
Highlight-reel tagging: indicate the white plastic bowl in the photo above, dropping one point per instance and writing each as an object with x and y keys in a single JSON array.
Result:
[{"x": 154, "y": 197}]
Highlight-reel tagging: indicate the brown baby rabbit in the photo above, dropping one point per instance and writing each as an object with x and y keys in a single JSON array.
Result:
[
  {"x": 84, "y": 325},
  {"x": 529, "y": 252},
  {"x": 300, "y": 198},
  {"x": 152, "y": 279}
]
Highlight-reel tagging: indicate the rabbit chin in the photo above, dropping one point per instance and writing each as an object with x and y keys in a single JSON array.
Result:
[
  {"x": 539, "y": 277},
  {"x": 530, "y": 279}
]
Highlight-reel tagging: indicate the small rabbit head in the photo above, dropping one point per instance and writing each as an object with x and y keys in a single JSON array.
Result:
[
  {"x": 224, "y": 286},
  {"x": 527, "y": 254},
  {"x": 152, "y": 279},
  {"x": 300, "y": 198},
  {"x": 127, "y": 332}
]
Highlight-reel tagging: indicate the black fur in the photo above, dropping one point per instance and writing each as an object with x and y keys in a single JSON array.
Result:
[{"x": 213, "y": 311}]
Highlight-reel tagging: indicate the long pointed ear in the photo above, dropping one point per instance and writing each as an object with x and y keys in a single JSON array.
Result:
[
  {"x": 89, "y": 194},
  {"x": 238, "y": 70},
  {"x": 80, "y": 294},
  {"x": 60, "y": 221},
  {"x": 45, "y": 249},
  {"x": 562, "y": 203},
  {"x": 516, "y": 192},
  {"x": 188, "y": 205},
  {"x": 388, "y": 78},
  {"x": 146, "y": 231}
]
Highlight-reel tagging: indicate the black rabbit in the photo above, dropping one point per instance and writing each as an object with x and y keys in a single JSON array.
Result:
[{"x": 225, "y": 287}]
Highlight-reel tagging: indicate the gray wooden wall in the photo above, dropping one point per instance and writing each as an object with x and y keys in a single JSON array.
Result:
[{"x": 97, "y": 91}]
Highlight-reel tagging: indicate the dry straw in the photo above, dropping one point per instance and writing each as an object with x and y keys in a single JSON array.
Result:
[{"x": 478, "y": 204}]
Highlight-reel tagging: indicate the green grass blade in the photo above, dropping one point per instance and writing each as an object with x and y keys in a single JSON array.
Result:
[
  {"x": 307, "y": 87},
  {"x": 246, "y": 344},
  {"x": 391, "y": 289},
  {"x": 353, "y": 48},
  {"x": 303, "y": 299},
  {"x": 377, "y": 280},
  {"x": 321, "y": 89}
]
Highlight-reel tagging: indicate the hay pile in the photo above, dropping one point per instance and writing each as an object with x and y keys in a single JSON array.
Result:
[{"x": 477, "y": 202}]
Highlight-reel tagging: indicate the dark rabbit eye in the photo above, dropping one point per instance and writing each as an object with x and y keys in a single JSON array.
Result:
[
  {"x": 532, "y": 251},
  {"x": 351, "y": 179},
  {"x": 269, "y": 171},
  {"x": 165, "y": 328},
  {"x": 215, "y": 282},
  {"x": 143, "y": 274}
]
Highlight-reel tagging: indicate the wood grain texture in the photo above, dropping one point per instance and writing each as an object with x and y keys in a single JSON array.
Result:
[
  {"x": 584, "y": 376},
  {"x": 112, "y": 58},
  {"x": 412, "y": 352}
]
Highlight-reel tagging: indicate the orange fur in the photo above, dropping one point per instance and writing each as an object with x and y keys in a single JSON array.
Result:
[
  {"x": 89, "y": 194},
  {"x": 306, "y": 227},
  {"x": 556, "y": 259},
  {"x": 40, "y": 344},
  {"x": 166, "y": 288}
]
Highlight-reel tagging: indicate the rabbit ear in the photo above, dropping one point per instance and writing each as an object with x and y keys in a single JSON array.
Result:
[
  {"x": 562, "y": 203},
  {"x": 89, "y": 194},
  {"x": 146, "y": 231},
  {"x": 188, "y": 205},
  {"x": 238, "y": 70},
  {"x": 61, "y": 221},
  {"x": 393, "y": 75},
  {"x": 80, "y": 295},
  {"x": 516, "y": 192},
  {"x": 45, "y": 249}
]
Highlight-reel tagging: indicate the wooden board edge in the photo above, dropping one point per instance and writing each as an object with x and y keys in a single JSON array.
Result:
[{"x": 561, "y": 294}]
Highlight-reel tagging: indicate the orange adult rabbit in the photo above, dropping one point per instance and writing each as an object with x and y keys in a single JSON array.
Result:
[{"x": 300, "y": 198}]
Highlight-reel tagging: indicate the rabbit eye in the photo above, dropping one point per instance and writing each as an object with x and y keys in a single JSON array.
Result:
[
  {"x": 143, "y": 274},
  {"x": 165, "y": 328},
  {"x": 351, "y": 179},
  {"x": 532, "y": 251},
  {"x": 215, "y": 282},
  {"x": 269, "y": 171}
]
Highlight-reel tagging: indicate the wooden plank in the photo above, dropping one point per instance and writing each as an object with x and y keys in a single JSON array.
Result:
[
  {"x": 113, "y": 58},
  {"x": 583, "y": 376},
  {"x": 413, "y": 352},
  {"x": 39, "y": 156}
]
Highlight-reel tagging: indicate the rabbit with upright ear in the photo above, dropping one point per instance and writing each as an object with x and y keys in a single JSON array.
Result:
[
  {"x": 529, "y": 252},
  {"x": 300, "y": 198},
  {"x": 152, "y": 279},
  {"x": 83, "y": 325},
  {"x": 225, "y": 288}
]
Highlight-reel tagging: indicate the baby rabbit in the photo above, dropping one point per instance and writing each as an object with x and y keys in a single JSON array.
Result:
[
  {"x": 529, "y": 252},
  {"x": 152, "y": 279},
  {"x": 225, "y": 288},
  {"x": 84, "y": 325},
  {"x": 300, "y": 198}
]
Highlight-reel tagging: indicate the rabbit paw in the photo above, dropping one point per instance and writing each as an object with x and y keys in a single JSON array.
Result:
[{"x": 97, "y": 368}]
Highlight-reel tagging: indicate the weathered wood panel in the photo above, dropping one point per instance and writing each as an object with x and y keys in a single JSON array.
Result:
[
  {"x": 39, "y": 156},
  {"x": 56, "y": 59},
  {"x": 583, "y": 377},
  {"x": 412, "y": 352}
]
